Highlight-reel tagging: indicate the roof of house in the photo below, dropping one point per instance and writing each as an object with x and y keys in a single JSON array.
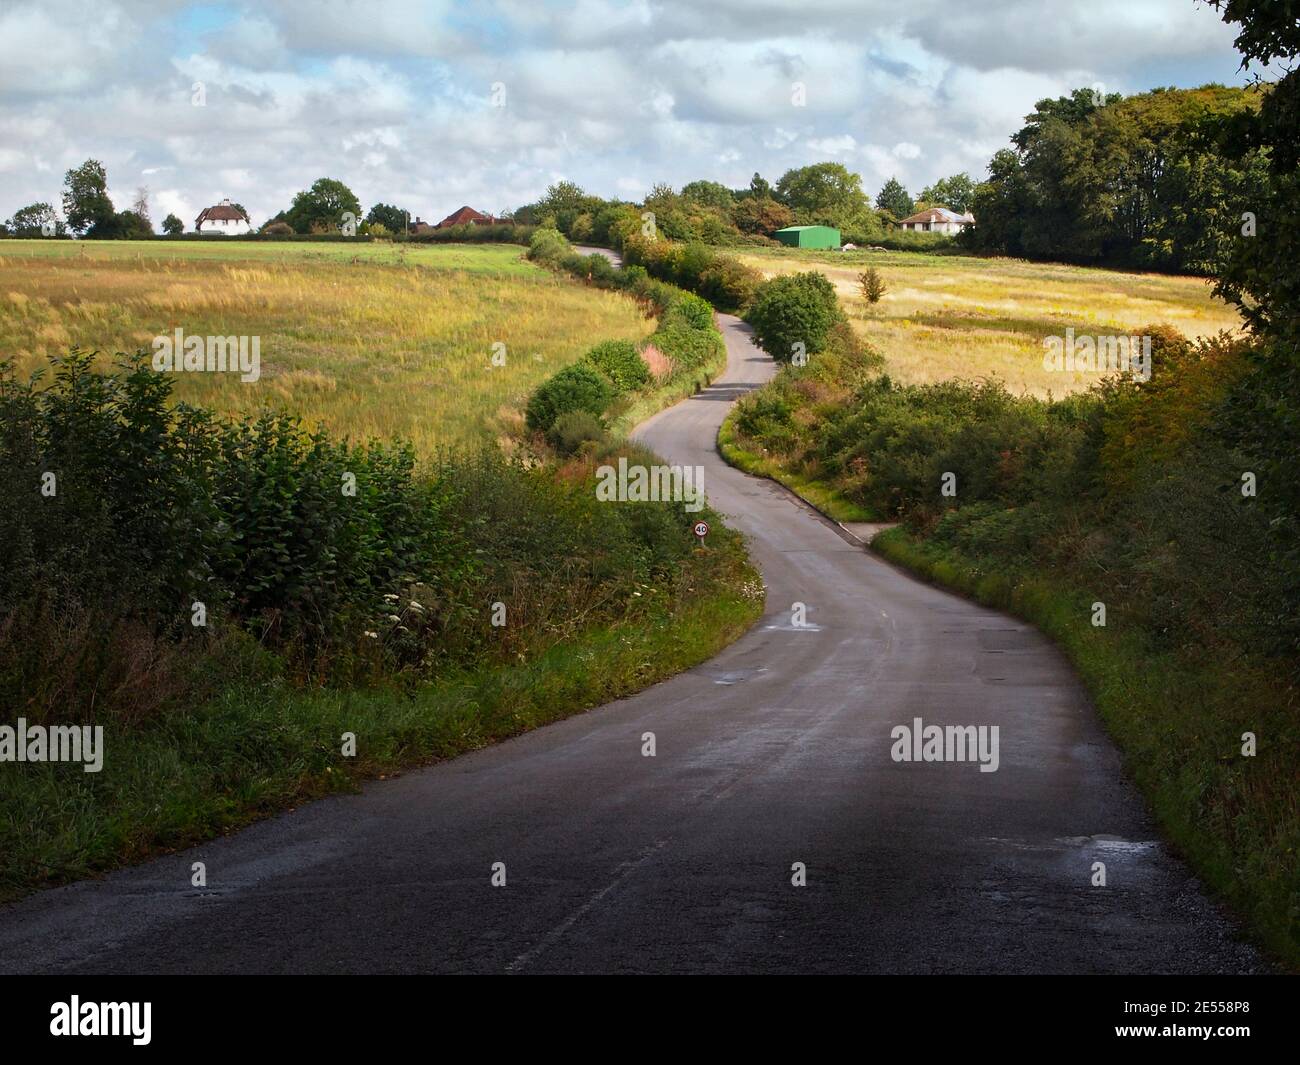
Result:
[
  {"x": 937, "y": 214},
  {"x": 463, "y": 216},
  {"x": 225, "y": 211}
]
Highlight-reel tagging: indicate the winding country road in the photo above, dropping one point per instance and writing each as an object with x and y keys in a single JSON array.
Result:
[{"x": 775, "y": 752}]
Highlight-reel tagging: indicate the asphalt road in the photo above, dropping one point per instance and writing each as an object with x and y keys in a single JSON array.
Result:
[{"x": 776, "y": 752}]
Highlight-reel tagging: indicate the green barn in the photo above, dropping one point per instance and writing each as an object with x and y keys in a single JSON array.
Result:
[{"x": 809, "y": 236}]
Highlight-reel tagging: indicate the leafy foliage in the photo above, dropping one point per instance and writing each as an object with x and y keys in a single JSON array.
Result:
[
  {"x": 1128, "y": 181},
  {"x": 956, "y": 192},
  {"x": 620, "y": 361},
  {"x": 320, "y": 209},
  {"x": 827, "y": 194},
  {"x": 797, "y": 309},
  {"x": 894, "y": 199},
  {"x": 345, "y": 560},
  {"x": 574, "y": 388},
  {"x": 33, "y": 220},
  {"x": 86, "y": 204},
  {"x": 872, "y": 284},
  {"x": 392, "y": 218}
]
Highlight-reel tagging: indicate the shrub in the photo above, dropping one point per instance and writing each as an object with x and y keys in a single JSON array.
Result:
[
  {"x": 872, "y": 284},
  {"x": 157, "y": 507},
  {"x": 765, "y": 415},
  {"x": 691, "y": 310},
  {"x": 278, "y": 229},
  {"x": 576, "y": 387},
  {"x": 621, "y": 363},
  {"x": 723, "y": 280},
  {"x": 573, "y": 429},
  {"x": 728, "y": 282},
  {"x": 797, "y": 309},
  {"x": 688, "y": 348},
  {"x": 548, "y": 246},
  {"x": 632, "y": 276},
  {"x": 469, "y": 233}
]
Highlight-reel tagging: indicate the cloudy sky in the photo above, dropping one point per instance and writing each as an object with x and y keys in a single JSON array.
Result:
[{"x": 431, "y": 104}]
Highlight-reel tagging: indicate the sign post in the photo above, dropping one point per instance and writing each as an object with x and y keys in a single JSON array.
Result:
[{"x": 701, "y": 531}]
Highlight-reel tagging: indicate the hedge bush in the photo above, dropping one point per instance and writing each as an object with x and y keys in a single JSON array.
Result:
[
  {"x": 620, "y": 361},
  {"x": 575, "y": 388},
  {"x": 794, "y": 309},
  {"x": 574, "y": 429}
]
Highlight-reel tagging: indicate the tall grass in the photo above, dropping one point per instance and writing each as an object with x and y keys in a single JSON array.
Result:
[
  {"x": 960, "y": 316},
  {"x": 366, "y": 341}
]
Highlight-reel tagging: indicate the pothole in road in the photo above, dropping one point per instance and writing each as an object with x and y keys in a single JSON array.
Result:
[{"x": 735, "y": 676}]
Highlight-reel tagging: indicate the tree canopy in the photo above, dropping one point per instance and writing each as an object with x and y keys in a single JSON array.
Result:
[
  {"x": 894, "y": 199},
  {"x": 321, "y": 208}
]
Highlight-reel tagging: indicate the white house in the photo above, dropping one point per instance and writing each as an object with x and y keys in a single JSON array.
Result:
[
  {"x": 225, "y": 219},
  {"x": 937, "y": 220}
]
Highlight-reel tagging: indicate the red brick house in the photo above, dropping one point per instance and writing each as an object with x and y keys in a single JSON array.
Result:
[{"x": 466, "y": 216}]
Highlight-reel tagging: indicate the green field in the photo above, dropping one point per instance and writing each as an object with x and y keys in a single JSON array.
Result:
[
  {"x": 371, "y": 340},
  {"x": 476, "y": 258},
  {"x": 961, "y": 316}
]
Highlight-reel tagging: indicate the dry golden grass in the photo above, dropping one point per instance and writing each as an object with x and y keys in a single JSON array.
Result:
[
  {"x": 949, "y": 316},
  {"x": 390, "y": 347}
]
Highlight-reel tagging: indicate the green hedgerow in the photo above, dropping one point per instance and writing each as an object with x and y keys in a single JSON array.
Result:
[
  {"x": 799, "y": 309},
  {"x": 620, "y": 361},
  {"x": 576, "y": 387}
]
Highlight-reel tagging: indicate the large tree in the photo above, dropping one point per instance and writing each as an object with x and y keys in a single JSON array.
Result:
[
  {"x": 825, "y": 194},
  {"x": 86, "y": 204},
  {"x": 392, "y": 218},
  {"x": 1132, "y": 180},
  {"x": 36, "y": 220},
  {"x": 956, "y": 192},
  {"x": 709, "y": 193},
  {"x": 894, "y": 200},
  {"x": 173, "y": 226},
  {"x": 321, "y": 208},
  {"x": 1259, "y": 274},
  {"x": 756, "y": 214}
]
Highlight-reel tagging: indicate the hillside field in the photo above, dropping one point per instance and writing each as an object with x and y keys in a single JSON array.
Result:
[
  {"x": 962, "y": 316},
  {"x": 369, "y": 340}
]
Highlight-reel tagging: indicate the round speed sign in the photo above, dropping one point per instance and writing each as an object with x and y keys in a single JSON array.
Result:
[{"x": 701, "y": 529}]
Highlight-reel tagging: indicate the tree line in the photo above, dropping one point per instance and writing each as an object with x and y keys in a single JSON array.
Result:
[{"x": 702, "y": 211}]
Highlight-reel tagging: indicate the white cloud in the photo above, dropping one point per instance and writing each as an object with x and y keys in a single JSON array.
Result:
[{"x": 394, "y": 98}]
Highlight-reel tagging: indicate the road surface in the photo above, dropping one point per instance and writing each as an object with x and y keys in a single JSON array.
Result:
[{"x": 776, "y": 752}]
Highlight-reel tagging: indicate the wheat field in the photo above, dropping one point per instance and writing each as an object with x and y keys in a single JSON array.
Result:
[
  {"x": 365, "y": 340},
  {"x": 956, "y": 316}
]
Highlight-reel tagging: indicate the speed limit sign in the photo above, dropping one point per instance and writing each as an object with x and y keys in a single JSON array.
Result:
[{"x": 701, "y": 529}]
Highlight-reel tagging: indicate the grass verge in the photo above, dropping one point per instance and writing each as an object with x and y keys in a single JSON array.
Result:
[
  {"x": 672, "y": 391},
  {"x": 826, "y": 498},
  {"x": 1178, "y": 724},
  {"x": 261, "y": 746}
]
